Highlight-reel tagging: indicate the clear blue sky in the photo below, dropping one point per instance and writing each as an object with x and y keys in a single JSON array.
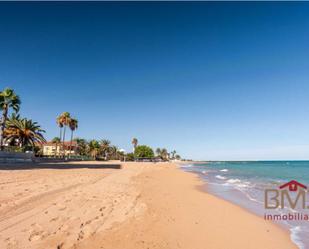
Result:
[{"x": 220, "y": 81}]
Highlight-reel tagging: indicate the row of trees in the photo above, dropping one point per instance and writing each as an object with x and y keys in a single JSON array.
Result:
[
  {"x": 144, "y": 151},
  {"x": 98, "y": 149},
  {"x": 28, "y": 135},
  {"x": 104, "y": 150},
  {"x": 15, "y": 130}
]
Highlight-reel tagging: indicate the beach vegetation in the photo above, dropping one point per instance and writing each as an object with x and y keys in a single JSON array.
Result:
[
  {"x": 130, "y": 157},
  {"x": 162, "y": 153},
  {"x": 172, "y": 154},
  {"x": 82, "y": 146},
  {"x": 143, "y": 151},
  {"x": 105, "y": 147},
  {"x": 8, "y": 100},
  {"x": 94, "y": 148},
  {"x": 23, "y": 132},
  {"x": 73, "y": 124},
  {"x": 63, "y": 121}
]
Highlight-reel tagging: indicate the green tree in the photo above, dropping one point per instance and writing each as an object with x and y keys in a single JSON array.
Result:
[
  {"x": 143, "y": 151},
  {"x": 94, "y": 148},
  {"x": 113, "y": 152},
  {"x": 82, "y": 146},
  {"x": 105, "y": 144},
  {"x": 173, "y": 153},
  {"x": 130, "y": 157},
  {"x": 164, "y": 154},
  {"x": 177, "y": 157},
  {"x": 25, "y": 131},
  {"x": 8, "y": 99}
]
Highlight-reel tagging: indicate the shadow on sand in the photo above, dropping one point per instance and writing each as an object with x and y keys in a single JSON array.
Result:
[{"x": 27, "y": 166}]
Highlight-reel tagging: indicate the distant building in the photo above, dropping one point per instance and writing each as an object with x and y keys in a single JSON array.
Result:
[{"x": 53, "y": 149}]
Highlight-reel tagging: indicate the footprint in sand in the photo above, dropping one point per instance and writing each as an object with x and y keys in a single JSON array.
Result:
[
  {"x": 54, "y": 219},
  {"x": 11, "y": 243},
  {"x": 60, "y": 246},
  {"x": 35, "y": 235},
  {"x": 61, "y": 207},
  {"x": 80, "y": 235}
]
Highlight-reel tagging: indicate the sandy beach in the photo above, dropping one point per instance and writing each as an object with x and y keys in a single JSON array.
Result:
[{"x": 122, "y": 206}]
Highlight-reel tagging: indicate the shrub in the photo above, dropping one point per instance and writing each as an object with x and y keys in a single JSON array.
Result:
[
  {"x": 130, "y": 157},
  {"x": 143, "y": 151}
]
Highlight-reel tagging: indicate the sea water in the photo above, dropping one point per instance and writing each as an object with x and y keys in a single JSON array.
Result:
[{"x": 244, "y": 184}]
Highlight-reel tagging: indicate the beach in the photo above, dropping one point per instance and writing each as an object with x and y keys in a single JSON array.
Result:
[{"x": 117, "y": 205}]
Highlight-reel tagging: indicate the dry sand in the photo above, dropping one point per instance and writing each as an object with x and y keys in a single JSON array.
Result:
[{"x": 142, "y": 205}]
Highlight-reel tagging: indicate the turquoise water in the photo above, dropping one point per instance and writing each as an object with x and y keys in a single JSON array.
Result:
[{"x": 243, "y": 183}]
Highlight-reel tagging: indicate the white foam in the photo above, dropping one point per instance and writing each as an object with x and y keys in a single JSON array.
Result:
[
  {"x": 296, "y": 238},
  {"x": 224, "y": 170},
  {"x": 237, "y": 183},
  {"x": 187, "y": 165},
  {"x": 232, "y": 181},
  {"x": 220, "y": 177}
]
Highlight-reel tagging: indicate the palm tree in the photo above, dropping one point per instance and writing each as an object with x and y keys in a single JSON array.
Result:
[
  {"x": 81, "y": 146},
  {"x": 59, "y": 122},
  {"x": 94, "y": 147},
  {"x": 177, "y": 157},
  {"x": 63, "y": 120},
  {"x": 173, "y": 154},
  {"x": 25, "y": 131},
  {"x": 105, "y": 144},
  {"x": 56, "y": 140},
  {"x": 134, "y": 142},
  {"x": 8, "y": 99},
  {"x": 158, "y": 152},
  {"x": 113, "y": 151},
  {"x": 73, "y": 124},
  {"x": 164, "y": 154}
]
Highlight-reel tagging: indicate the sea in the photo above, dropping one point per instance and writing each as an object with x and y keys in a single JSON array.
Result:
[{"x": 244, "y": 183}]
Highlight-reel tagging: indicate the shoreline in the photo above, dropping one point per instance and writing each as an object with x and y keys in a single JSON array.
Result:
[
  {"x": 203, "y": 188},
  {"x": 221, "y": 188},
  {"x": 138, "y": 206}
]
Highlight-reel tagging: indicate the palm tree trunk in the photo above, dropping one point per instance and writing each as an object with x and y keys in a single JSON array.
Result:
[
  {"x": 63, "y": 149},
  {"x": 4, "y": 117},
  {"x": 71, "y": 143},
  {"x": 58, "y": 154}
]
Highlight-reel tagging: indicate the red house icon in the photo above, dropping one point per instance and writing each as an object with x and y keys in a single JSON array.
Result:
[{"x": 293, "y": 185}]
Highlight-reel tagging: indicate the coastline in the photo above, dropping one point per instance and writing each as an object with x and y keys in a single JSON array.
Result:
[
  {"x": 141, "y": 205},
  {"x": 204, "y": 188},
  {"x": 245, "y": 188}
]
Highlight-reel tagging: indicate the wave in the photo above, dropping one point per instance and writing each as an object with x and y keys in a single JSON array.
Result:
[
  {"x": 220, "y": 177},
  {"x": 187, "y": 166},
  {"x": 232, "y": 181},
  {"x": 237, "y": 183},
  {"x": 295, "y": 236},
  {"x": 224, "y": 170}
]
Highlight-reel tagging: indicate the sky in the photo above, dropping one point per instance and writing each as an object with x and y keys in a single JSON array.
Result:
[{"x": 212, "y": 80}]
